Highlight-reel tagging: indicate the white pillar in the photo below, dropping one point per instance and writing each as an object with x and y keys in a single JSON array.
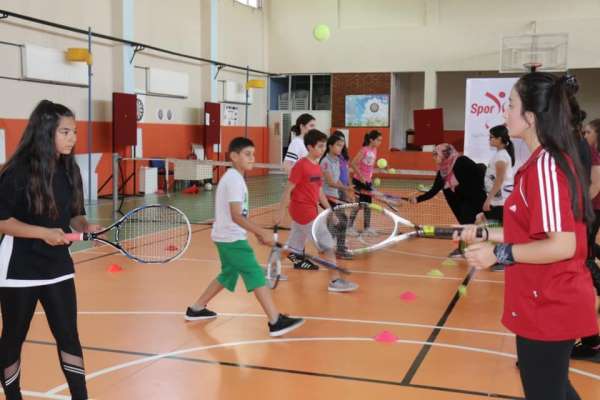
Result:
[{"x": 430, "y": 91}]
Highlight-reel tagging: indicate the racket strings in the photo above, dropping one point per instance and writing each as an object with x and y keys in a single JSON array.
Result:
[
  {"x": 154, "y": 234},
  {"x": 353, "y": 227}
]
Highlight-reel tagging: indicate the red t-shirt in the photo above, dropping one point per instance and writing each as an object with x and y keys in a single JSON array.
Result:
[
  {"x": 595, "y": 163},
  {"x": 548, "y": 302},
  {"x": 307, "y": 177}
]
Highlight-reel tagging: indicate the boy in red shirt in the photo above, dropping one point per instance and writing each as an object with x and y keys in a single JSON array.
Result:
[{"x": 303, "y": 194}]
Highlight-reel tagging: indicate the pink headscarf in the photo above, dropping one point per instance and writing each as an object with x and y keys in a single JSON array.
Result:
[{"x": 447, "y": 155}]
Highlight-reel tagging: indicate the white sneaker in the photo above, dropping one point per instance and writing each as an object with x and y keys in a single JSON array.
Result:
[{"x": 341, "y": 285}]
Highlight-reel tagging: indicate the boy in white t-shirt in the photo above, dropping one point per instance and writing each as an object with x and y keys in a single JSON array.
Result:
[{"x": 229, "y": 234}]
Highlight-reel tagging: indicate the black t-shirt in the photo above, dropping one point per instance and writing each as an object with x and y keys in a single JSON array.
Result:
[{"x": 32, "y": 262}]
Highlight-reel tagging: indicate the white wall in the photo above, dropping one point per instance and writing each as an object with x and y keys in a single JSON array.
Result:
[
  {"x": 443, "y": 35},
  {"x": 24, "y": 95},
  {"x": 241, "y": 41}
]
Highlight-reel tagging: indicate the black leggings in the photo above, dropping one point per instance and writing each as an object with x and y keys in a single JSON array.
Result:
[
  {"x": 60, "y": 306},
  {"x": 362, "y": 198},
  {"x": 544, "y": 368},
  {"x": 338, "y": 231}
]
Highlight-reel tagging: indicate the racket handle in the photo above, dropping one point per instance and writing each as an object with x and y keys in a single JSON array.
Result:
[
  {"x": 75, "y": 236},
  {"x": 443, "y": 232}
]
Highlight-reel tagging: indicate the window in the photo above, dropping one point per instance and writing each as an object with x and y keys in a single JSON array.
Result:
[{"x": 250, "y": 3}]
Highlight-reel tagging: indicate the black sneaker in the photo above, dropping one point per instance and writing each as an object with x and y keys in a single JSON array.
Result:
[
  {"x": 294, "y": 258},
  {"x": 586, "y": 352},
  {"x": 305, "y": 265},
  {"x": 284, "y": 325},
  {"x": 193, "y": 315}
]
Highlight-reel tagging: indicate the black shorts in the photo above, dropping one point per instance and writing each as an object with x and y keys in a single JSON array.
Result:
[{"x": 358, "y": 185}]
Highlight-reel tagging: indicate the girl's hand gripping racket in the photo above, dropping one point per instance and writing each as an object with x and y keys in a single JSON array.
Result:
[{"x": 151, "y": 234}]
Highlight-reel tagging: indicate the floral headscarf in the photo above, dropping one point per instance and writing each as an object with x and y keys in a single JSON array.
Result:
[{"x": 447, "y": 155}]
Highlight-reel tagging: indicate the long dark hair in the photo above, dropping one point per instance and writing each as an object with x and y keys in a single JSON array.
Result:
[
  {"x": 36, "y": 157},
  {"x": 345, "y": 149},
  {"x": 595, "y": 125},
  {"x": 303, "y": 119},
  {"x": 501, "y": 132},
  {"x": 370, "y": 136},
  {"x": 331, "y": 140},
  {"x": 551, "y": 100}
]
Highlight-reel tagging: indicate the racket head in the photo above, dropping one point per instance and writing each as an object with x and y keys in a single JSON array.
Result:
[
  {"x": 346, "y": 227},
  {"x": 274, "y": 267},
  {"x": 151, "y": 234}
]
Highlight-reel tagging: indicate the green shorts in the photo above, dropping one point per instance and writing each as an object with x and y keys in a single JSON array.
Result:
[{"x": 237, "y": 258}]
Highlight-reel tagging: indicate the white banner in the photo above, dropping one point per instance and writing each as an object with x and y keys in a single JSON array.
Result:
[{"x": 485, "y": 105}]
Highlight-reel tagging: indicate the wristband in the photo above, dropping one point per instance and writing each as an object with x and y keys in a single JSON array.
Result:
[{"x": 503, "y": 253}]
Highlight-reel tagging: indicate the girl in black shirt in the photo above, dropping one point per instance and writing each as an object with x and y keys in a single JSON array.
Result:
[
  {"x": 41, "y": 197},
  {"x": 461, "y": 180}
]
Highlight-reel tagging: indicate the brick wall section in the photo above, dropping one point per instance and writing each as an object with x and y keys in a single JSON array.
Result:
[{"x": 345, "y": 84}]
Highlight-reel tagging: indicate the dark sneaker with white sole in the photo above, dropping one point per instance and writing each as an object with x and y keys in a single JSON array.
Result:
[
  {"x": 586, "y": 352},
  {"x": 193, "y": 315},
  {"x": 284, "y": 325},
  {"x": 306, "y": 265}
]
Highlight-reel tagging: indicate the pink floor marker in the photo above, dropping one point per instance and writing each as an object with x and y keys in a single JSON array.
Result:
[
  {"x": 385, "y": 337},
  {"x": 408, "y": 296},
  {"x": 114, "y": 268}
]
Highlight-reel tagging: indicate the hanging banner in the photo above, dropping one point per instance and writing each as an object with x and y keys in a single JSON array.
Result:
[{"x": 486, "y": 101}]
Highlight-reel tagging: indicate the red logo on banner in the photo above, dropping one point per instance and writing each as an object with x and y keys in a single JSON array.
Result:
[{"x": 497, "y": 106}]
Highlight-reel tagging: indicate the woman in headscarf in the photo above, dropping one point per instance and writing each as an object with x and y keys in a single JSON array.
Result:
[{"x": 462, "y": 181}]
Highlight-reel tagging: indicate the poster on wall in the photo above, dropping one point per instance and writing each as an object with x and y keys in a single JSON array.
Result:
[
  {"x": 231, "y": 115},
  {"x": 486, "y": 101},
  {"x": 367, "y": 110}
]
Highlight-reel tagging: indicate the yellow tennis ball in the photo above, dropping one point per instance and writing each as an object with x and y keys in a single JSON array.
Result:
[
  {"x": 381, "y": 163},
  {"x": 462, "y": 290},
  {"x": 376, "y": 182},
  {"x": 321, "y": 32}
]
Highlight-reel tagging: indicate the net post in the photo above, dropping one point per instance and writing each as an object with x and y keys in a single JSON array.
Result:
[{"x": 115, "y": 189}]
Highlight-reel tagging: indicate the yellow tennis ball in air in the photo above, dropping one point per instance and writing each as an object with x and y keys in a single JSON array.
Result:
[
  {"x": 462, "y": 290},
  {"x": 321, "y": 32},
  {"x": 381, "y": 163},
  {"x": 376, "y": 182}
]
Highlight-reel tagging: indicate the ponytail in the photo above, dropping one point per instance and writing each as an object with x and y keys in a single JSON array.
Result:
[
  {"x": 501, "y": 132},
  {"x": 370, "y": 136},
  {"x": 303, "y": 119}
]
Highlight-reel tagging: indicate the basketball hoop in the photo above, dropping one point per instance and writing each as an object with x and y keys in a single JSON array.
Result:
[
  {"x": 534, "y": 52},
  {"x": 532, "y": 66}
]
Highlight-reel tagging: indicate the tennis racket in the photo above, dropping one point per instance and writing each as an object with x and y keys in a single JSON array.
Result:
[
  {"x": 151, "y": 234},
  {"x": 274, "y": 262},
  {"x": 389, "y": 200},
  {"x": 380, "y": 228}
]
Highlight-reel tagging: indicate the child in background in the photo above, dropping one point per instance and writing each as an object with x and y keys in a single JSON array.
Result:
[
  {"x": 303, "y": 194},
  {"x": 334, "y": 189},
  {"x": 363, "y": 165}
]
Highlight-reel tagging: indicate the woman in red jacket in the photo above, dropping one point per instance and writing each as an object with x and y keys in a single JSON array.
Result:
[{"x": 549, "y": 296}]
